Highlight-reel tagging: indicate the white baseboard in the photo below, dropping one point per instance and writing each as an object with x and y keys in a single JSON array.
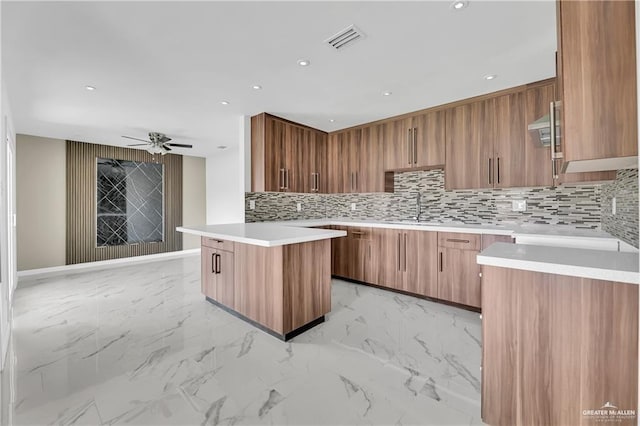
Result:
[{"x": 33, "y": 274}]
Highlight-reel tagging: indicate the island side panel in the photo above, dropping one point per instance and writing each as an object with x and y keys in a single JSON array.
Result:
[
  {"x": 575, "y": 342},
  {"x": 259, "y": 285},
  {"x": 307, "y": 283}
]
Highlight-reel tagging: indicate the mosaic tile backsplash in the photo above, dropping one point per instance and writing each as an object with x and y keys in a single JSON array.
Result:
[
  {"x": 624, "y": 224},
  {"x": 575, "y": 205}
]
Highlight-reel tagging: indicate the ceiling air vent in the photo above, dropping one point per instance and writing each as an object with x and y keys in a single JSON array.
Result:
[{"x": 345, "y": 38}]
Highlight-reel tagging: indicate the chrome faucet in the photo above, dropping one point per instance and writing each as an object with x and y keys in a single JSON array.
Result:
[{"x": 418, "y": 208}]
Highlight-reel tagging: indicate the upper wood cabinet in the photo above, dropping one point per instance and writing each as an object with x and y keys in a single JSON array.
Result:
[
  {"x": 509, "y": 142},
  {"x": 470, "y": 132},
  {"x": 286, "y": 157},
  {"x": 415, "y": 142},
  {"x": 355, "y": 163},
  {"x": 538, "y": 157},
  {"x": 597, "y": 76}
]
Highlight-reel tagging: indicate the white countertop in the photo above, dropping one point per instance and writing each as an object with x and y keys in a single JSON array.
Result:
[
  {"x": 265, "y": 234},
  {"x": 594, "y": 264}
]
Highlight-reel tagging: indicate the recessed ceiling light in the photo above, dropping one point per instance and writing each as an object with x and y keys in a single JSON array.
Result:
[
  {"x": 387, "y": 93},
  {"x": 331, "y": 120},
  {"x": 222, "y": 147},
  {"x": 459, "y": 4},
  {"x": 224, "y": 102},
  {"x": 90, "y": 88},
  {"x": 304, "y": 62},
  {"x": 490, "y": 77},
  {"x": 256, "y": 87}
]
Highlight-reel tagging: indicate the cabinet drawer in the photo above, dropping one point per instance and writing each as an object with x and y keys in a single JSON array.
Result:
[
  {"x": 359, "y": 233},
  {"x": 215, "y": 243},
  {"x": 459, "y": 241}
]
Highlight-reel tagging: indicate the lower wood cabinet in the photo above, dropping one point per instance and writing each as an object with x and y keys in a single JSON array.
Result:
[
  {"x": 458, "y": 272},
  {"x": 405, "y": 260},
  {"x": 217, "y": 275},
  {"x": 351, "y": 255},
  {"x": 556, "y": 346}
]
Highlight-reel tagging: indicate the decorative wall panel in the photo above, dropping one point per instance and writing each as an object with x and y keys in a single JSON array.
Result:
[{"x": 82, "y": 202}]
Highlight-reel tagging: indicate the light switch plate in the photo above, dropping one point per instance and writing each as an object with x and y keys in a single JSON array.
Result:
[
  {"x": 519, "y": 205},
  {"x": 353, "y": 206},
  {"x": 299, "y": 207},
  {"x": 252, "y": 204}
]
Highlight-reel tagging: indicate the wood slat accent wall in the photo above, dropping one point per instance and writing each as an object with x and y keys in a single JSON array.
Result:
[{"x": 81, "y": 202}]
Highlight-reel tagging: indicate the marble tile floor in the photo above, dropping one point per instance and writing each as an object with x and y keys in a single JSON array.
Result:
[{"x": 140, "y": 345}]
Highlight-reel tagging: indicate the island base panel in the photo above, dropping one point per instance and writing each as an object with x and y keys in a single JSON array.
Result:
[{"x": 284, "y": 337}]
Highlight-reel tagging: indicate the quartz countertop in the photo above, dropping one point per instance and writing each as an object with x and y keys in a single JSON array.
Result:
[
  {"x": 595, "y": 264},
  {"x": 265, "y": 234}
]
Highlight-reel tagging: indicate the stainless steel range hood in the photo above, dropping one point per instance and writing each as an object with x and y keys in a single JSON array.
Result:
[{"x": 542, "y": 127}]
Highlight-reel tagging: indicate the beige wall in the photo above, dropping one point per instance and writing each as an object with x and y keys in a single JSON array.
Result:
[
  {"x": 194, "y": 196},
  {"x": 41, "y": 201}
]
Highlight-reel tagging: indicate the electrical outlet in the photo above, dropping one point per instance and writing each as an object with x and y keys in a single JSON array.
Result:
[
  {"x": 613, "y": 206},
  {"x": 252, "y": 204},
  {"x": 353, "y": 206},
  {"x": 519, "y": 205},
  {"x": 299, "y": 207}
]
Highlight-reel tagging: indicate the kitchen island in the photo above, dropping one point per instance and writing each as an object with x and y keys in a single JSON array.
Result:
[{"x": 276, "y": 277}]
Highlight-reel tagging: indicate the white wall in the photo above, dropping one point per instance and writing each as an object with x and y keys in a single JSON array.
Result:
[
  {"x": 8, "y": 271},
  {"x": 227, "y": 178},
  {"x": 194, "y": 194}
]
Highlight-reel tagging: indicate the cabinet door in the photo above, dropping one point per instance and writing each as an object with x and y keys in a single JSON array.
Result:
[
  {"x": 429, "y": 139},
  {"x": 274, "y": 155},
  {"x": 321, "y": 152},
  {"x": 340, "y": 254},
  {"x": 224, "y": 279},
  {"x": 292, "y": 159},
  {"x": 458, "y": 276},
  {"x": 359, "y": 247},
  {"x": 469, "y": 147},
  {"x": 352, "y": 158},
  {"x": 385, "y": 257},
  {"x": 371, "y": 160},
  {"x": 208, "y": 274},
  {"x": 339, "y": 171},
  {"x": 397, "y": 144},
  {"x": 421, "y": 254},
  {"x": 598, "y": 61},
  {"x": 509, "y": 149}
]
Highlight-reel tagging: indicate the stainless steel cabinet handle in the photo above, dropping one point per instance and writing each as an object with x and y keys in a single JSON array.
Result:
[
  {"x": 457, "y": 240},
  {"x": 281, "y": 179},
  {"x": 405, "y": 252},
  {"x": 415, "y": 145},
  {"x": 351, "y": 176},
  {"x": 409, "y": 148},
  {"x": 398, "y": 252},
  {"x": 489, "y": 172},
  {"x": 498, "y": 166},
  {"x": 356, "y": 180},
  {"x": 552, "y": 120},
  {"x": 287, "y": 176}
]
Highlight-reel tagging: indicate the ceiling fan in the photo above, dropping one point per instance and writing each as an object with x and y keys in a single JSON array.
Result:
[{"x": 158, "y": 143}]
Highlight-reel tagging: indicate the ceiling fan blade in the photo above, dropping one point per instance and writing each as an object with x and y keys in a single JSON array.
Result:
[
  {"x": 166, "y": 148},
  {"x": 136, "y": 139},
  {"x": 164, "y": 139},
  {"x": 138, "y": 144},
  {"x": 179, "y": 145}
]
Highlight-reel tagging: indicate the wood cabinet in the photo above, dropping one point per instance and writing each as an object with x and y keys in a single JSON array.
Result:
[
  {"x": 355, "y": 161},
  {"x": 415, "y": 142},
  {"x": 554, "y": 346},
  {"x": 405, "y": 260},
  {"x": 217, "y": 271},
  {"x": 597, "y": 81},
  {"x": 485, "y": 143},
  {"x": 537, "y": 167},
  {"x": 287, "y": 157},
  {"x": 351, "y": 255},
  {"x": 458, "y": 272}
]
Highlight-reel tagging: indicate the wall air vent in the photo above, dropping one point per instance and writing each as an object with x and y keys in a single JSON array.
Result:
[{"x": 345, "y": 38}]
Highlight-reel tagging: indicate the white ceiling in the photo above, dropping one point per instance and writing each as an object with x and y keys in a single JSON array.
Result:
[{"x": 165, "y": 66}]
